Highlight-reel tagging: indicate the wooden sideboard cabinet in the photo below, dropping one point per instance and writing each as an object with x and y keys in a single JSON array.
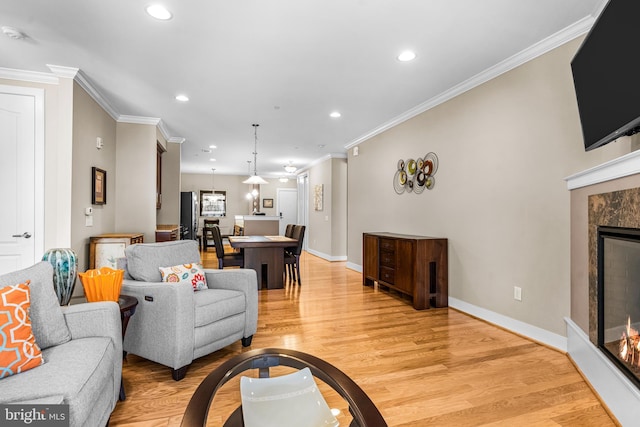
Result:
[
  {"x": 105, "y": 249},
  {"x": 416, "y": 266}
]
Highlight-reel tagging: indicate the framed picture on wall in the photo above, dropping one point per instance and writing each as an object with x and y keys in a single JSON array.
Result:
[
  {"x": 267, "y": 203},
  {"x": 318, "y": 195},
  {"x": 98, "y": 186}
]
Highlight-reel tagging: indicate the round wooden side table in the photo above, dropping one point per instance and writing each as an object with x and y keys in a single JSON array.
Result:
[{"x": 127, "y": 309}]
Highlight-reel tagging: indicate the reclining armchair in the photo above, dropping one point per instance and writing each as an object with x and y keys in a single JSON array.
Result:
[{"x": 174, "y": 324}]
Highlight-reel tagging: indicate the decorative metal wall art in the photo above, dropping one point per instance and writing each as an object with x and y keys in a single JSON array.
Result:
[{"x": 414, "y": 175}]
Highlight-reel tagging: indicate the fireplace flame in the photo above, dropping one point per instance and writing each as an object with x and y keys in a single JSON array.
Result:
[
  {"x": 629, "y": 348},
  {"x": 624, "y": 351},
  {"x": 630, "y": 331}
]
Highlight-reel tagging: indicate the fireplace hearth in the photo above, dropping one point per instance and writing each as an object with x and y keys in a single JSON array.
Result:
[{"x": 619, "y": 298}]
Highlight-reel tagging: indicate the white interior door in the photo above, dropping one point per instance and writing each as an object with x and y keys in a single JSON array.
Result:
[
  {"x": 287, "y": 207},
  {"x": 20, "y": 145}
]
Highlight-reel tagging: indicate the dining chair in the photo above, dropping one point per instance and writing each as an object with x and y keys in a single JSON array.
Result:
[
  {"x": 288, "y": 231},
  {"x": 208, "y": 240},
  {"x": 230, "y": 259},
  {"x": 292, "y": 255}
]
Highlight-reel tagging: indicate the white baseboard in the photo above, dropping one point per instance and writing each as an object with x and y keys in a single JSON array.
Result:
[
  {"x": 355, "y": 267},
  {"x": 620, "y": 395},
  {"x": 538, "y": 334},
  {"x": 327, "y": 256}
]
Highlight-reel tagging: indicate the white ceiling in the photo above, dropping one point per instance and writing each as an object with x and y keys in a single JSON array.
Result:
[{"x": 285, "y": 64}]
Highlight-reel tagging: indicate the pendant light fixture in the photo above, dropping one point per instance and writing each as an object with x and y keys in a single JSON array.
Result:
[
  {"x": 255, "y": 178},
  {"x": 213, "y": 182},
  {"x": 290, "y": 168}
]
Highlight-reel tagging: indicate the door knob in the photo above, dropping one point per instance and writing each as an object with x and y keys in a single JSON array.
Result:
[{"x": 26, "y": 235}]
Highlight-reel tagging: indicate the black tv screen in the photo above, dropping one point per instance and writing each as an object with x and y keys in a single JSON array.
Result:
[{"x": 606, "y": 75}]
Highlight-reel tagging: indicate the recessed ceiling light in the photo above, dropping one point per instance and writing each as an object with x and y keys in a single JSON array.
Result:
[
  {"x": 212, "y": 160},
  {"x": 159, "y": 12},
  {"x": 212, "y": 146},
  {"x": 182, "y": 98},
  {"x": 407, "y": 55},
  {"x": 335, "y": 114}
]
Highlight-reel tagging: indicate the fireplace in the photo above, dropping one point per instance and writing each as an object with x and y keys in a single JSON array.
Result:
[{"x": 619, "y": 298}]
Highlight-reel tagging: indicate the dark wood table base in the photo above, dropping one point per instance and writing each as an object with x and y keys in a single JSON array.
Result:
[
  {"x": 273, "y": 259},
  {"x": 363, "y": 410},
  {"x": 265, "y": 251}
]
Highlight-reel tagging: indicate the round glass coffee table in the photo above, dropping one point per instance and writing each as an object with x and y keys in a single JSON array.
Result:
[{"x": 362, "y": 411}]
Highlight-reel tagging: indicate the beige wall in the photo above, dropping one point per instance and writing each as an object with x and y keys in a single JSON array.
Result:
[
  {"x": 339, "y": 208},
  {"x": 90, "y": 121},
  {"x": 327, "y": 229},
  {"x": 135, "y": 195},
  {"x": 318, "y": 233},
  {"x": 270, "y": 191},
  {"x": 500, "y": 198},
  {"x": 169, "y": 213}
]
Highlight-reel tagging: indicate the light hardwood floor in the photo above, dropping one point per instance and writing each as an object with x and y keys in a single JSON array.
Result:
[{"x": 434, "y": 367}]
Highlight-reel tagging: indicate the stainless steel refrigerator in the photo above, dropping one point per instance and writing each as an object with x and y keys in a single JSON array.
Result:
[{"x": 189, "y": 215}]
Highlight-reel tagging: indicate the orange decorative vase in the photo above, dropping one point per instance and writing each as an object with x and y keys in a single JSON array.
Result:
[{"x": 102, "y": 284}]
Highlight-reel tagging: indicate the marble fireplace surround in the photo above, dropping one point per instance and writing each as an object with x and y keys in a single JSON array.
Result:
[
  {"x": 615, "y": 209},
  {"x": 608, "y": 194}
]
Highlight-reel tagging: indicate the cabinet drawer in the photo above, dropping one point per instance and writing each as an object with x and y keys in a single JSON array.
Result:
[
  {"x": 387, "y": 245},
  {"x": 387, "y": 259},
  {"x": 387, "y": 275}
]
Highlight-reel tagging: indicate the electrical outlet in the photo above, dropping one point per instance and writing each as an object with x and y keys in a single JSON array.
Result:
[{"x": 517, "y": 293}]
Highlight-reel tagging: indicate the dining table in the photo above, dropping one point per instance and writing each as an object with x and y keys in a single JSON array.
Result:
[{"x": 264, "y": 251}]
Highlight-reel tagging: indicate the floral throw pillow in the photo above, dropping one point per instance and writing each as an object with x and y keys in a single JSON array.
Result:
[
  {"x": 18, "y": 349},
  {"x": 191, "y": 273}
]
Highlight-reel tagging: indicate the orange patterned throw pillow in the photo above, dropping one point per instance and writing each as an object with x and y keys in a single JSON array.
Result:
[
  {"x": 18, "y": 349},
  {"x": 191, "y": 273}
]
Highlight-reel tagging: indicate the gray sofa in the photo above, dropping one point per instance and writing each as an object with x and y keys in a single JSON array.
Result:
[
  {"x": 173, "y": 324},
  {"x": 82, "y": 350}
]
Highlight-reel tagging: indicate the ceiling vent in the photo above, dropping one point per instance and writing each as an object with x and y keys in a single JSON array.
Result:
[{"x": 12, "y": 33}]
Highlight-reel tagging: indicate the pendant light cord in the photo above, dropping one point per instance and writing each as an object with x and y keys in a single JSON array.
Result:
[{"x": 255, "y": 148}]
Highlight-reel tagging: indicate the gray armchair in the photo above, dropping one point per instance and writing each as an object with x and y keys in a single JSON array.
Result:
[
  {"x": 82, "y": 349},
  {"x": 173, "y": 324}
]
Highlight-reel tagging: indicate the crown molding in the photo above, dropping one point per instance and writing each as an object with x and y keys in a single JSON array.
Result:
[
  {"x": 78, "y": 76},
  {"x": 64, "y": 72},
  {"x": 553, "y": 41},
  {"x": 84, "y": 83},
  {"x": 138, "y": 120},
  {"x": 320, "y": 160},
  {"x": 163, "y": 130},
  {"x": 59, "y": 71},
  {"x": 28, "y": 76}
]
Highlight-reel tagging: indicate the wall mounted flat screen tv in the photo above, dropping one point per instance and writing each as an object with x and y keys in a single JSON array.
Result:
[{"x": 606, "y": 75}]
